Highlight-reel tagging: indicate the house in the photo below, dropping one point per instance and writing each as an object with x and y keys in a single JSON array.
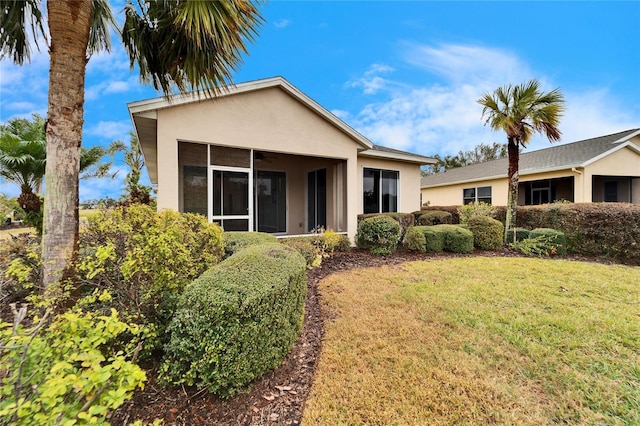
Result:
[
  {"x": 263, "y": 156},
  {"x": 602, "y": 169}
]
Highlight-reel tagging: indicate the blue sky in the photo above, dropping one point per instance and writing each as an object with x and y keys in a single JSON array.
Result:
[{"x": 404, "y": 74}]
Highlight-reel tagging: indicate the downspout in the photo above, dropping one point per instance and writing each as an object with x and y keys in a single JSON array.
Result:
[{"x": 573, "y": 169}]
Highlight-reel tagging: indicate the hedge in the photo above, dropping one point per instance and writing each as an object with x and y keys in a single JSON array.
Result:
[
  {"x": 237, "y": 240},
  {"x": 552, "y": 238},
  {"x": 405, "y": 220},
  {"x": 455, "y": 238},
  {"x": 425, "y": 239},
  {"x": 379, "y": 234},
  {"x": 488, "y": 233},
  {"x": 435, "y": 217},
  {"x": 238, "y": 320}
]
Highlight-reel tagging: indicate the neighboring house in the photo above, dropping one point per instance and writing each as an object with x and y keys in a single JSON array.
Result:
[
  {"x": 603, "y": 169},
  {"x": 264, "y": 156}
]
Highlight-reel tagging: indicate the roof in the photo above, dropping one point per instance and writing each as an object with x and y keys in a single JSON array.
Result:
[
  {"x": 144, "y": 116},
  {"x": 559, "y": 157}
]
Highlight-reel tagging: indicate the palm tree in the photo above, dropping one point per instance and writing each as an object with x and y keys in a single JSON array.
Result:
[
  {"x": 521, "y": 111},
  {"x": 177, "y": 44}
]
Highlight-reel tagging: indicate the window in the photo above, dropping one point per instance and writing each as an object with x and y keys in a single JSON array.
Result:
[
  {"x": 480, "y": 194},
  {"x": 380, "y": 190}
]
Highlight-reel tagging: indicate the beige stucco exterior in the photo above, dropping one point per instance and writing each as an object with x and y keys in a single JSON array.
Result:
[
  {"x": 294, "y": 135},
  {"x": 616, "y": 164}
]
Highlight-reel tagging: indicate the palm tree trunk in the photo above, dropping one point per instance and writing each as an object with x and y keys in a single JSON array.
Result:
[
  {"x": 69, "y": 24},
  {"x": 513, "y": 175}
]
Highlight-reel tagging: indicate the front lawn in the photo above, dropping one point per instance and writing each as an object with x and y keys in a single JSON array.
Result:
[{"x": 480, "y": 341}]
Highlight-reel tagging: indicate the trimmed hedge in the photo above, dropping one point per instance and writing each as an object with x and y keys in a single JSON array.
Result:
[
  {"x": 488, "y": 233},
  {"x": 521, "y": 234},
  {"x": 435, "y": 217},
  {"x": 455, "y": 238},
  {"x": 405, "y": 220},
  {"x": 304, "y": 246},
  {"x": 237, "y": 240},
  {"x": 238, "y": 320},
  {"x": 379, "y": 234},
  {"x": 551, "y": 238},
  {"x": 424, "y": 239}
]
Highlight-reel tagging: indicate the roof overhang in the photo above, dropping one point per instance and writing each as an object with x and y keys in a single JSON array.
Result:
[{"x": 398, "y": 156}]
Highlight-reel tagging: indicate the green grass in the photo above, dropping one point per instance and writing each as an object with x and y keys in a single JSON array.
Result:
[{"x": 480, "y": 340}]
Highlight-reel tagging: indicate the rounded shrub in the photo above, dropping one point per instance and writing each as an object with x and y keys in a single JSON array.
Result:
[
  {"x": 405, "y": 220},
  {"x": 414, "y": 239},
  {"x": 554, "y": 241},
  {"x": 237, "y": 321},
  {"x": 378, "y": 234},
  {"x": 488, "y": 233},
  {"x": 435, "y": 217},
  {"x": 237, "y": 240},
  {"x": 305, "y": 247},
  {"x": 521, "y": 234},
  {"x": 333, "y": 241},
  {"x": 455, "y": 238}
]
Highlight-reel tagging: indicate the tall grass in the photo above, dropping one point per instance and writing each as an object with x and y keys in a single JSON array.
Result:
[{"x": 480, "y": 340}]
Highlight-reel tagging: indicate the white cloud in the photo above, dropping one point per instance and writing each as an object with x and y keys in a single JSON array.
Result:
[
  {"x": 117, "y": 87},
  {"x": 113, "y": 130},
  {"x": 444, "y": 118},
  {"x": 91, "y": 189},
  {"x": 282, "y": 23}
]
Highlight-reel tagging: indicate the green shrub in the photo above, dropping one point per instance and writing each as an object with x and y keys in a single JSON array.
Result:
[
  {"x": 146, "y": 259},
  {"x": 435, "y": 217},
  {"x": 488, "y": 233},
  {"x": 334, "y": 241},
  {"x": 20, "y": 267},
  {"x": 237, "y": 240},
  {"x": 305, "y": 246},
  {"x": 554, "y": 241},
  {"x": 521, "y": 234},
  {"x": 378, "y": 234},
  {"x": 470, "y": 210},
  {"x": 414, "y": 239},
  {"x": 405, "y": 220},
  {"x": 455, "y": 238},
  {"x": 63, "y": 371},
  {"x": 238, "y": 320}
]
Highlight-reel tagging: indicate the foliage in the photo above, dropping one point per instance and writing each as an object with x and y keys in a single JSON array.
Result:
[
  {"x": 426, "y": 238},
  {"x": 455, "y": 238},
  {"x": 435, "y": 217},
  {"x": 414, "y": 239},
  {"x": 20, "y": 267},
  {"x": 237, "y": 240},
  {"x": 488, "y": 233},
  {"x": 146, "y": 259},
  {"x": 405, "y": 220},
  {"x": 470, "y": 210},
  {"x": 480, "y": 154},
  {"x": 307, "y": 249},
  {"x": 480, "y": 340},
  {"x": 379, "y": 234},
  {"x": 133, "y": 158},
  {"x": 65, "y": 371},
  {"x": 9, "y": 207},
  {"x": 521, "y": 234},
  {"x": 333, "y": 241},
  {"x": 552, "y": 241},
  {"x": 238, "y": 320}
]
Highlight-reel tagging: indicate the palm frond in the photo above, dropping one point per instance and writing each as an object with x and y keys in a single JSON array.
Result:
[
  {"x": 187, "y": 45},
  {"x": 20, "y": 19},
  {"x": 103, "y": 19}
]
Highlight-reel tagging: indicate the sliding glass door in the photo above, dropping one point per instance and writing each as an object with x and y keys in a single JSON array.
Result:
[
  {"x": 231, "y": 189},
  {"x": 271, "y": 202}
]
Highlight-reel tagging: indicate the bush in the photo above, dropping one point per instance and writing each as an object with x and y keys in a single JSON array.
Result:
[
  {"x": 415, "y": 240},
  {"x": 488, "y": 233},
  {"x": 238, "y": 320},
  {"x": 521, "y": 234},
  {"x": 63, "y": 371},
  {"x": 379, "y": 234},
  {"x": 435, "y": 217},
  {"x": 466, "y": 212},
  {"x": 455, "y": 238},
  {"x": 405, "y": 220},
  {"x": 237, "y": 240},
  {"x": 455, "y": 219},
  {"x": 20, "y": 267},
  {"x": 305, "y": 246},
  {"x": 554, "y": 242},
  {"x": 146, "y": 259},
  {"x": 424, "y": 239},
  {"x": 335, "y": 242}
]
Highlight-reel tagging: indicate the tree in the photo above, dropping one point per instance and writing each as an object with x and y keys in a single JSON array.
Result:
[
  {"x": 177, "y": 44},
  {"x": 133, "y": 158},
  {"x": 521, "y": 111},
  {"x": 23, "y": 153},
  {"x": 480, "y": 154}
]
